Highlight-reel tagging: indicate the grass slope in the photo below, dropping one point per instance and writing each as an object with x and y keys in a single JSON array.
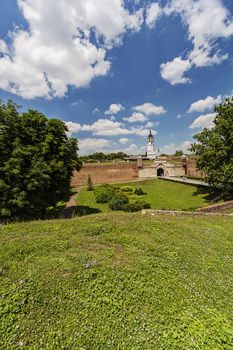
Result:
[
  {"x": 117, "y": 281},
  {"x": 160, "y": 194}
]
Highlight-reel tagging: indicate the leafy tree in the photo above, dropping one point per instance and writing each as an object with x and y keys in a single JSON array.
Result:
[
  {"x": 36, "y": 163},
  {"x": 179, "y": 153},
  {"x": 215, "y": 148}
]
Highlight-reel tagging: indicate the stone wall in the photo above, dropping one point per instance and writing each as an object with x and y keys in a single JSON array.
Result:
[
  {"x": 147, "y": 173},
  {"x": 109, "y": 173},
  {"x": 191, "y": 168}
]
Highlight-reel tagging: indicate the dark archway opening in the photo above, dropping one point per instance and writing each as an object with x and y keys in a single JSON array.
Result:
[{"x": 160, "y": 172}]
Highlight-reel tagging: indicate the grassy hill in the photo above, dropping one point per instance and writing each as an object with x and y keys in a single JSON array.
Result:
[
  {"x": 117, "y": 281},
  {"x": 160, "y": 194}
]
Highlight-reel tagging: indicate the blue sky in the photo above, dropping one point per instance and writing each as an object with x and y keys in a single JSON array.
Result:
[{"x": 114, "y": 69}]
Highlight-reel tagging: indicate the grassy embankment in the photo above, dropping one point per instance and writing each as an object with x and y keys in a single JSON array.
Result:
[
  {"x": 117, "y": 281},
  {"x": 160, "y": 194}
]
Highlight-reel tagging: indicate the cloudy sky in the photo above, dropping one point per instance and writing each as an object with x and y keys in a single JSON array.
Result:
[{"x": 113, "y": 69}]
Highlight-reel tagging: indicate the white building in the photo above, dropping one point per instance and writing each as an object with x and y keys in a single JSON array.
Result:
[{"x": 151, "y": 151}]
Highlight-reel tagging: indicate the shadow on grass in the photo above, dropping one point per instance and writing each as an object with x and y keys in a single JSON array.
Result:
[
  {"x": 79, "y": 210},
  {"x": 211, "y": 195}
]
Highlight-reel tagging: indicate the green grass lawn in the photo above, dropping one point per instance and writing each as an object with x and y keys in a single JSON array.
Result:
[
  {"x": 160, "y": 194},
  {"x": 117, "y": 281}
]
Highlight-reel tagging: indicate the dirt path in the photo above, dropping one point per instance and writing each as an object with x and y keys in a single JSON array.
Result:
[{"x": 73, "y": 200}]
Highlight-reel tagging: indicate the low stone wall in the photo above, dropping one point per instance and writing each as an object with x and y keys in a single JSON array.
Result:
[
  {"x": 109, "y": 173},
  {"x": 216, "y": 208}
]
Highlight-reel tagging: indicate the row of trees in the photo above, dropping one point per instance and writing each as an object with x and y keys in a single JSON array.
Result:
[
  {"x": 103, "y": 157},
  {"x": 37, "y": 160}
]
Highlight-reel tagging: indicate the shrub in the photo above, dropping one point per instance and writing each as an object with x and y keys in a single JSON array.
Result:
[
  {"x": 127, "y": 189},
  {"x": 139, "y": 191},
  {"x": 133, "y": 207},
  {"x": 118, "y": 201},
  {"x": 143, "y": 204},
  {"x": 104, "y": 193},
  {"x": 102, "y": 197},
  {"x": 89, "y": 184}
]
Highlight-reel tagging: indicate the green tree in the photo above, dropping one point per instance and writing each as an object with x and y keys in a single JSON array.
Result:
[
  {"x": 215, "y": 148},
  {"x": 89, "y": 184},
  {"x": 179, "y": 153},
  {"x": 37, "y": 160}
]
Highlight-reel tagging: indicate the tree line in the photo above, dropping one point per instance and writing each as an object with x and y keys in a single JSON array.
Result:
[{"x": 103, "y": 157}]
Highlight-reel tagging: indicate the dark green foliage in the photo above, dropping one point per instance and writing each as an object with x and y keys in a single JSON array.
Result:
[
  {"x": 103, "y": 157},
  {"x": 179, "y": 153},
  {"x": 104, "y": 193},
  {"x": 89, "y": 184},
  {"x": 137, "y": 206},
  {"x": 139, "y": 191},
  {"x": 131, "y": 207},
  {"x": 143, "y": 204},
  {"x": 118, "y": 201},
  {"x": 36, "y": 164},
  {"x": 127, "y": 189},
  {"x": 215, "y": 148}
]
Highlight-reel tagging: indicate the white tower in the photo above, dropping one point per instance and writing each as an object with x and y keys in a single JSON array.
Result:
[{"x": 151, "y": 152}]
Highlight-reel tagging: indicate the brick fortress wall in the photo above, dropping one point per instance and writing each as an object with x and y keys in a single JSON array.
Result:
[
  {"x": 191, "y": 168},
  {"x": 101, "y": 173}
]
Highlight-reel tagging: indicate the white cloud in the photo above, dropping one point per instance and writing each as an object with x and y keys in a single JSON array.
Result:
[
  {"x": 136, "y": 117},
  {"x": 153, "y": 12},
  {"x": 150, "y": 109},
  {"x": 73, "y": 127},
  {"x": 134, "y": 150},
  {"x": 96, "y": 110},
  {"x": 178, "y": 116},
  {"x": 124, "y": 140},
  {"x": 52, "y": 55},
  {"x": 3, "y": 47},
  {"x": 173, "y": 71},
  {"x": 114, "y": 109},
  {"x": 172, "y": 147},
  {"x": 204, "y": 121},
  {"x": 106, "y": 127},
  {"x": 91, "y": 145},
  {"x": 204, "y": 104},
  {"x": 150, "y": 125},
  {"x": 142, "y": 131},
  {"x": 206, "y": 20}
]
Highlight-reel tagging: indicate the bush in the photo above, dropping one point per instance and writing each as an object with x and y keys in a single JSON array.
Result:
[
  {"x": 143, "y": 204},
  {"x": 89, "y": 184},
  {"x": 104, "y": 193},
  {"x": 127, "y": 189},
  {"x": 131, "y": 207},
  {"x": 102, "y": 197},
  {"x": 118, "y": 201},
  {"x": 139, "y": 191},
  {"x": 137, "y": 206}
]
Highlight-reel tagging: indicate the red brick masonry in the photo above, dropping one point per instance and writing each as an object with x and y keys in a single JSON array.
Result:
[{"x": 108, "y": 173}]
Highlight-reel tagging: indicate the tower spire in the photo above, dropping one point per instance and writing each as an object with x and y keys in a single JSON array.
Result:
[{"x": 151, "y": 153}]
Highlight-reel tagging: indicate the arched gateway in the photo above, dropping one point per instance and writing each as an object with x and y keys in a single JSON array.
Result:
[{"x": 160, "y": 172}]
